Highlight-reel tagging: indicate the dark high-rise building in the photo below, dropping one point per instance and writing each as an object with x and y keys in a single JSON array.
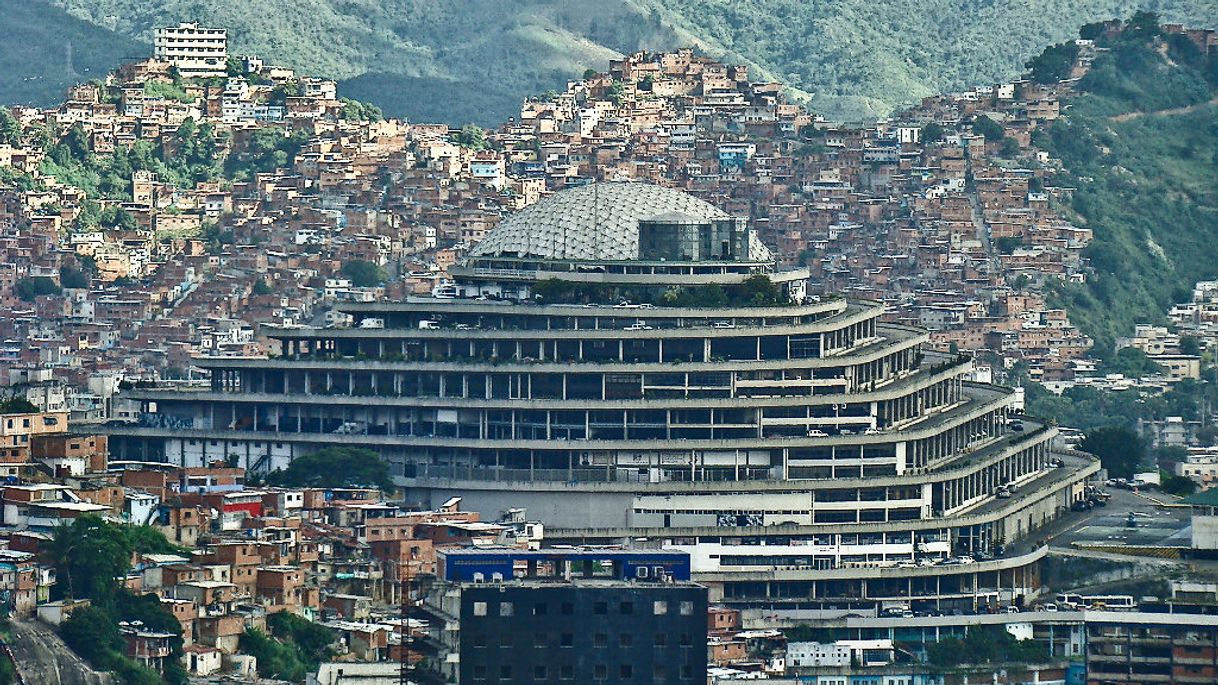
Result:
[{"x": 553, "y": 616}]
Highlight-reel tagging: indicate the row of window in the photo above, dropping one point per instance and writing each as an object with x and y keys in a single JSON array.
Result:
[
  {"x": 567, "y": 640},
  {"x": 567, "y": 672},
  {"x": 658, "y": 608}
]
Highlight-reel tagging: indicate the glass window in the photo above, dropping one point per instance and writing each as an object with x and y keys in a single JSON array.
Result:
[
  {"x": 506, "y": 609},
  {"x": 687, "y": 608},
  {"x": 600, "y": 640},
  {"x": 660, "y": 607},
  {"x": 479, "y": 608}
]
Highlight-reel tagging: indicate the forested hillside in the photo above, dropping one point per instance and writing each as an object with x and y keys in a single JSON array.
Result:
[
  {"x": 43, "y": 51},
  {"x": 1139, "y": 144},
  {"x": 472, "y": 59}
]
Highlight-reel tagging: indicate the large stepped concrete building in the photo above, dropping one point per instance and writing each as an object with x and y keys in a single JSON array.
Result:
[{"x": 623, "y": 361}]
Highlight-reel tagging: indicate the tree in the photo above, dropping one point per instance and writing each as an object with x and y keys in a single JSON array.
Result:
[
  {"x": 364, "y": 274},
  {"x": 28, "y": 289},
  {"x": 1189, "y": 344},
  {"x": 932, "y": 133},
  {"x": 335, "y": 467},
  {"x": 1120, "y": 449},
  {"x": 275, "y": 659},
  {"x": 89, "y": 555},
  {"x": 1010, "y": 147},
  {"x": 1133, "y": 363},
  {"x": 1177, "y": 485},
  {"x": 1007, "y": 243},
  {"x": 312, "y": 639},
  {"x": 71, "y": 277},
  {"x": 10, "y": 128},
  {"x": 1143, "y": 25},
  {"x": 985, "y": 126},
  {"x": 472, "y": 137},
  {"x": 1054, "y": 64},
  {"x": 615, "y": 93},
  {"x": 757, "y": 290},
  {"x": 17, "y": 405},
  {"x": 92, "y": 633},
  {"x": 589, "y": 74}
]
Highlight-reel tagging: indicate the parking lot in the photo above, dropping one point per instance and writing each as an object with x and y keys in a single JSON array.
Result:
[{"x": 1154, "y": 525}]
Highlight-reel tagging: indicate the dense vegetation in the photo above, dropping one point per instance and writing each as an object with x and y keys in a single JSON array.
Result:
[
  {"x": 91, "y": 557},
  {"x": 45, "y": 50},
  {"x": 466, "y": 60},
  {"x": 294, "y": 648},
  {"x": 757, "y": 290},
  {"x": 335, "y": 467},
  {"x": 1138, "y": 147},
  {"x": 985, "y": 645}
]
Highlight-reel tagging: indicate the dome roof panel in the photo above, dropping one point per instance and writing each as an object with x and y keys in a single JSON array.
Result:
[{"x": 595, "y": 222}]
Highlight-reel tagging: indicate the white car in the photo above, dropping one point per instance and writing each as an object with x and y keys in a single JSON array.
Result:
[
  {"x": 817, "y": 433},
  {"x": 723, "y": 324}
]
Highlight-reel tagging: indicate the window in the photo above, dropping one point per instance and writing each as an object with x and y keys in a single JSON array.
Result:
[
  {"x": 539, "y": 673},
  {"x": 659, "y": 608},
  {"x": 539, "y": 640},
  {"x": 626, "y": 671},
  {"x": 600, "y": 672},
  {"x": 567, "y": 673},
  {"x": 505, "y": 672},
  {"x": 539, "y": 609},
  {"x": 685, "y": 641},
  {"x": 600, "y": 640},
  {"x": 505, "y": 639},
  {"x": 660, "y": 672},
  {"x": 479, "y": 672},
  {"x": 687, "y": 608},
  {"x": 479, "y": 640},
  {"x": 687, "y": 672},
  {"x": 506, "y": 609},
  {"x": 479, "y": 608},
  {"x": 600, "y": 608},
  {"x": 627, "y": 608},
  {"x": 568, "y": 608},
  {"x": 567, "y": 640},
  {"x": 626, "y": 639},
  {"x": 661, "y": 639}
]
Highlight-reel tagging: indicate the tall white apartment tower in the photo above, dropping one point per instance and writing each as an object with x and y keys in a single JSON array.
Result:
[{"x": 196, "y": 51}]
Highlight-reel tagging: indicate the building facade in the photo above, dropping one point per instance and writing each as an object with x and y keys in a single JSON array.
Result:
[
  {"x": 585, "y": 616},
  {"x": 620, "y": 383},
  {"x": 196, "y": 51}
]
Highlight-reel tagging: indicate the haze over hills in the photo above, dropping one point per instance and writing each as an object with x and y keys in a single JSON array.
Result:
[{"x": 465, "y": 60}]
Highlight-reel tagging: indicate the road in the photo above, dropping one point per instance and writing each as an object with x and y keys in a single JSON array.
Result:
[{"x": 43, "y": 659}]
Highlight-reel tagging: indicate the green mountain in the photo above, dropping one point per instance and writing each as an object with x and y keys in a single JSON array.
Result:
[
  {"x": 44, "y": 50},
  {"x": 1139, "y": 146},
  {"x": 473, "y": 59}
]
